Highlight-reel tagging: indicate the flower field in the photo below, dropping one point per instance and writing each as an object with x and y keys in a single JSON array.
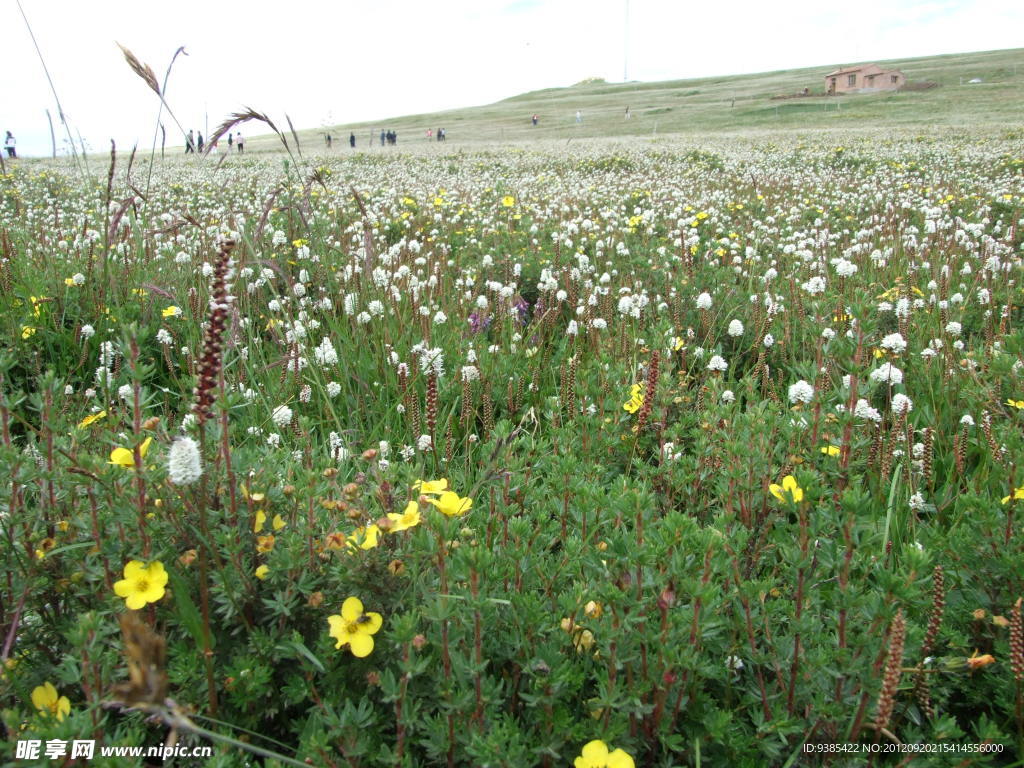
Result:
[{"x": 653, "y": 454}]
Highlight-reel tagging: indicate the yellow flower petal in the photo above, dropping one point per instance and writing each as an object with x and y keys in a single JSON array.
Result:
[
  {"x": 351, "y": 609},
  {"x": 361, "y": 645},
  {"x": 43, "y": 696},
  {"x": 450, "y": 503},
  {"x": 122, "y": 457},
  {"x": 372, "y": 623},
  {"x": 432, "y": 486},
  {"x": 91, "y": 419}
]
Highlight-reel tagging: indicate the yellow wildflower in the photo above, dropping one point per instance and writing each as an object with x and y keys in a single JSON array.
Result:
[
  {"x": 596, "y": 754},
  {"x": 364, "y": 538},
  {"x": 431, "y": 486},
  {"x": 141, "y": 584},
  {"x": 354, "y": 627},
  {"x": 47, "y": 701},
  {"x": 451, "y": 503},
  {"x": 92, "y": 418},
  {"x": 789, "y": 486},
  {"x": 407, "y": 519},
  {"x": 636, "y": 399},
  {"x": 1018, "y": 493},
  {"x": 123, "y": 457}
]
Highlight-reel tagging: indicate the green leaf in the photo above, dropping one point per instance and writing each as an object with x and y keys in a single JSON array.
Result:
[{"x": 187, "y": 610}]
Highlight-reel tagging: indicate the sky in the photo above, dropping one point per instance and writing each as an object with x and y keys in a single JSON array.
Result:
[{"x": 325, "y": 63}]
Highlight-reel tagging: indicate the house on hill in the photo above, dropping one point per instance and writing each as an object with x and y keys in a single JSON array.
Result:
[{"x": 865, "y": 78}]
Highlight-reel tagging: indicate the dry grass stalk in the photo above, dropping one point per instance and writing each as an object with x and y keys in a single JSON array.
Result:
[
  {"x": 237, "y": 118},
  {"x": 142, "y": 70}
]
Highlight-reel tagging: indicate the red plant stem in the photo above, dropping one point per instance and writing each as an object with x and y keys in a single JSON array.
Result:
[
  {"x": 794, "y": 668},
  {"x": 140, "y": 482},
  {"x": 204, "y": 581}
]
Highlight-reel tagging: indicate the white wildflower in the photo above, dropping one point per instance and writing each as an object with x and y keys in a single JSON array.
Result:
[
  {"x": 282, "y": 416},
  {"x": 801, "y": 392},
  {"x": 184, "y": 465}
]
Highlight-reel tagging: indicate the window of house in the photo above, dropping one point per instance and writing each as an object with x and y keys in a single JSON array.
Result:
[
  {"x": 851, "y": 80},
  {"x": 894, "y": 78},
  {"x": 871, "y": 79}
]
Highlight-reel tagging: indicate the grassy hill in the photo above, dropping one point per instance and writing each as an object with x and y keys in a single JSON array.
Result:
[{"x": 727, "y": 104}]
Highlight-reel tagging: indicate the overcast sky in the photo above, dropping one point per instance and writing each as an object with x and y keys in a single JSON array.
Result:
[{"x": 334, "y": 62}]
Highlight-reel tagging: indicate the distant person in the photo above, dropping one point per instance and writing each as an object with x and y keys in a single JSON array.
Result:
[
  {"x": 579, "y": 116},
  {"x": 328, "y": 139},
  {"x": 231, "y": 141},
  {"x": 9, "y": 145},
  {"x": 535, "y": 119},
  {"x": 190, "y": 143},
  {"x": 439, "y": 132},
  {"x": 383, "y": 136},
  {"x": 213, "y": 148},
  {"x": 199, "y": 142},
  {"x": 444, "y": 135},
  {"x": 628, "y": 116},
  {"x": 352, "y": 140},
  {"x": 430, "y": 133},
  {"x": 239, "y": 142}
]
